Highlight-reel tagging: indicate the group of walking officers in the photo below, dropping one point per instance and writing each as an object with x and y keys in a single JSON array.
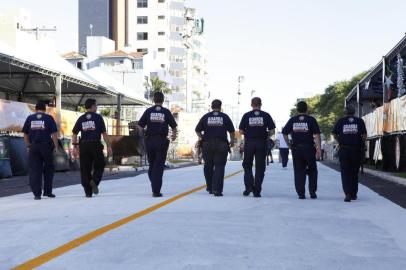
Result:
[{"x": 214, "y": 130}]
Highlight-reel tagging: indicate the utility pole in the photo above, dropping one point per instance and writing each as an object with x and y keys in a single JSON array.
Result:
[{"x": 37, "y": 30}]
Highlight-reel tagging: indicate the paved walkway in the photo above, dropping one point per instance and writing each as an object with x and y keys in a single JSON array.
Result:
[{"x": 197, "y": 231}]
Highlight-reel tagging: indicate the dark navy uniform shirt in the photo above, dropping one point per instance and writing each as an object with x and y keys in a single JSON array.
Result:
[
  {"x": 91, "y": 126},
  {"x": 157, "y": 119},
  {"x": 256, "y": 124},
  {"x": 302, "y": 128},
  {"x": 39, "y": 127},
  {"x": 349, "y": 130},
  {"x": 215, "y": 125}
]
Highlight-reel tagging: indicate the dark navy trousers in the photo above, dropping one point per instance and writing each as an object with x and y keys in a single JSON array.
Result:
[
  {"x": 350, "y": 163},
  {"x": 157, "y": 149},
  {"x": 215, "y": 154},
  {"x": 304, "y": 163},
  {"x": 41, "y": 166},
  {"x": 92, "y": 164},
  {"x": 254, "y": 148},
  {"x": 284, "y": 152}
]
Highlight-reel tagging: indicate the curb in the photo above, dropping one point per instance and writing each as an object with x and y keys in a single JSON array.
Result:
[{"x": 386, "y": 176}]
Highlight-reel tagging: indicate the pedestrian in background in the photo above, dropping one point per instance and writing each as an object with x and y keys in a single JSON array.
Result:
[
  {"x": 89, "y": 148},
  {"x": 304, "y": 131},
  {"x": 41, "y": 139},
  {"x": 350, "y": 133},
  {"x": 283, "y": 150},
  {"x": 157, "y": 121},
  {"x": 212, "y": 130}
]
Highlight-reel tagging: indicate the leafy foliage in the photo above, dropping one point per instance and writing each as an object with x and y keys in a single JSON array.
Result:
[{"x": 329, "y": 106}]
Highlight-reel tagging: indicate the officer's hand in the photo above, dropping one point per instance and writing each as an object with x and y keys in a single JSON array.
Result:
[
  {"x": 318, "y": 153},
  {"x": 76, "y": 152},
  {"x": 56, "y": 150},
  {"x": 232, "y": 144},
  {"x": 174, "y": 136},
  {"x": 109, "y": 151}
]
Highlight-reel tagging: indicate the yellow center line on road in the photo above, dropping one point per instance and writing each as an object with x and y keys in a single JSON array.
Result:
[{"x": 50, "y": 255}]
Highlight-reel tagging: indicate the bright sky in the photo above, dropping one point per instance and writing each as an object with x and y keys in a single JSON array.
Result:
[{"x": 285, "y": 49}]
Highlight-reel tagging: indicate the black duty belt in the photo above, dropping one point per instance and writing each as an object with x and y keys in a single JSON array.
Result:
[
  {"x": 89, "y": 141},
  {"x": 350, "y": 146},
  {"x": 41, "y": 142},
  {"x": 300, "y": 145}
]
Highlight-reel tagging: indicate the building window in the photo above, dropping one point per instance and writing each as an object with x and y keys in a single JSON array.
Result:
[
  {"x": 161, "y": 1},
  {"x": 142, "y": 50},
  {"x": 142, "y": 20},
  {"x": 163, "y": 65},
  {"x": 142, "y": 36},
  {"x": 142, "y": 3},
  {"x": 161, "y": 33},
  {"x": 161, "y": 49},
  {"x": 161, "y": 17}
]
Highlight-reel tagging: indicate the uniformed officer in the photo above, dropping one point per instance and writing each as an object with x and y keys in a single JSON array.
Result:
[
  {"x": 212, "y": 129},
  {"x": 41, "y": 138},
  {"x": 304, "y": 131},
  {"x": 257, "y": 127},
  {"x": 92, "y": 162},
  {"x": 350, "y": 133},
  {"x": 156, "y": 120}
]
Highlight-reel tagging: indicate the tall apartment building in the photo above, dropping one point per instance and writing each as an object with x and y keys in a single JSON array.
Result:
[
  {"x": 162, "y": 28},
  {"x": 106, "y": 18},
  {"x": 156, "y": 27}
]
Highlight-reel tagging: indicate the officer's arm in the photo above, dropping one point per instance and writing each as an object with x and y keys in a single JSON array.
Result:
[
  {"x": 199, "y": 134},
  {"x": 232, "y": 139},
  {"x": 174, "y": 133},
  {"x": 26, "y": 140},
  {"x": 271, "y": 132},
  {"x": 286, "y": 138},
  {"x": 335, "y": 137},
  {"x": 106, "y": 139},
  {"x": 54, "y": 137},
  {"x": 318, "y": 140}
]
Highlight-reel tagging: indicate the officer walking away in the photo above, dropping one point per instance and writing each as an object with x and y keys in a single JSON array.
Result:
[
  {"x": 212, "y": 129},
  {"x": 156, "y": 121},
  {"x": 283, "y": 150},
  {"x": 350, "y": 133},
  {"x": 257, "y": 127},
  {"x": 41, "y": 138},
  {"x": 304, "y": 131},
  {"x": 92, "y": 162}
]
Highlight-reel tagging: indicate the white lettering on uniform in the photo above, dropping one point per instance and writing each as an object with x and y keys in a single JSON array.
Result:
[
  {"x": 89, "y": 125},
  {"x": 37, "y": 124},
  {"x": 300, "y": 127},
  {"x": 350, "y": 129},
  {"x": 215, "y": 121},
  {"x": 157, "y": 117},
  {"x": 256, "y": 121}
]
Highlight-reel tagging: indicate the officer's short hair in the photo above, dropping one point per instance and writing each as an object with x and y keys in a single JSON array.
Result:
[
  {"x": 40, "y": 106},
  {"x": 256, "y": 102},
  {"x": 158, "y": 97},
  {"x": 301, "y": 107},
  {"x": 89, "y": 103},
  {"x": 216, "y": 104},
  {"x": 349, "y": 110}
]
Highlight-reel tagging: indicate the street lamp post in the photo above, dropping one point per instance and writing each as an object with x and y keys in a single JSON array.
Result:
[{"x": 240, "y": 80}]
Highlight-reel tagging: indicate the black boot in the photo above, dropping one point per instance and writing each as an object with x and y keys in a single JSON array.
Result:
[
  {"x": 156, "y": 195},
  {"x": 50, "y": 195},
  {"x": 347, "y": 198},
  {"x": 218, "y": 194},
  {"x": 313, "y": 195}
]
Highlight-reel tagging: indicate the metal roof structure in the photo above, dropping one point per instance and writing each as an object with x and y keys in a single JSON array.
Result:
[
  {"x": 371, "y": 87},
  {"x": 29, "y": 75}
]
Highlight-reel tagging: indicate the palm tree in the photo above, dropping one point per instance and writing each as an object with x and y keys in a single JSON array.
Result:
[{"x": 157, "y": 85}]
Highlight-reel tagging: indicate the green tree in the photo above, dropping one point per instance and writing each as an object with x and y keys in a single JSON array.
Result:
[{"x": 329, "y": 106}]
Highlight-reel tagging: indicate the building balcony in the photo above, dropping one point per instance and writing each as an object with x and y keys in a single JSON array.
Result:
[
  {"x": 177, "y": 66},
  {"x": 177, "y": 20},
  {"x": 178, "y": 51},
  {"x": 177, "y": 5}
]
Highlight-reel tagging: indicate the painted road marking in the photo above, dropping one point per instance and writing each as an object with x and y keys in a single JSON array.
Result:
[{"x": 50, "y": 255}]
